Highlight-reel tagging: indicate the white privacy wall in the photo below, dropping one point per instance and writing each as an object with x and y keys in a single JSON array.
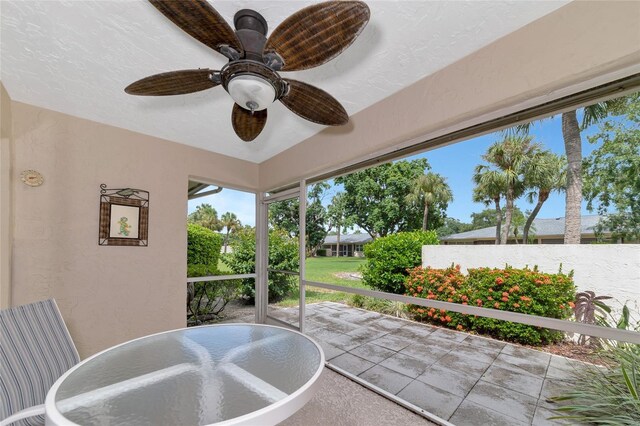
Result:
[{"x": 607, "y": 269}]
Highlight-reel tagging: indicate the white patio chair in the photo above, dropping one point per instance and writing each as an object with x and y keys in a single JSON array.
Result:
[{"x": 35, "y": 350}]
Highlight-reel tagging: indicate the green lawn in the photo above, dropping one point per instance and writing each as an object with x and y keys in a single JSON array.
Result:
[{"x": 327, "y": 270}]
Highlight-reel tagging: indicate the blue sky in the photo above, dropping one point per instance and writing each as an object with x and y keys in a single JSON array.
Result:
[{"x": 455, "y": 162}]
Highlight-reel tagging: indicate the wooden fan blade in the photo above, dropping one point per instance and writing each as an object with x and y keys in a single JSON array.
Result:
[
  {"x": 318, "y": 33},
  {"x": 201, "y": 21},
  {"x": 172, "y": 83},
  {"x": 314, "y": 104},
  {"x": 246, "y": 124}
]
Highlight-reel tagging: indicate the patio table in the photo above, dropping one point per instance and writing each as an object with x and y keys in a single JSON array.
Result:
[{"x": 220, "y": 374}]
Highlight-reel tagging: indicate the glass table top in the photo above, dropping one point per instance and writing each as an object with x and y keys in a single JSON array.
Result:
[{"x": 195, "y": 376}]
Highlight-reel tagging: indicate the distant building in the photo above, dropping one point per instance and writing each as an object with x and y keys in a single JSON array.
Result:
[
  {"x": 350, "y": 244},
  {"x": 543, "y": 231}
]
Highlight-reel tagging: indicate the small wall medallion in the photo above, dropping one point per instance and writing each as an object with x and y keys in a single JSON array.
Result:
[{"x": 31, "y": 178}]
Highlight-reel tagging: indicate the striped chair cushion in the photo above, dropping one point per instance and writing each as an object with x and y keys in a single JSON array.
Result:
[{"x": 35, "y": 350}]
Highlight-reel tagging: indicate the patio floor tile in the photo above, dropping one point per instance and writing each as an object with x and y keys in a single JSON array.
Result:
[
  {"x": 510, "y": 379},
  {"x": 472, "y": 414},
  {"x": 440, "y": 343},
  {"x": 558, "y": 374},
  {"x": 425, "y": 352},
  {"x": 344, "y": 341},
  {"x": 510, "y": 403},
  {"x": 532, "y": 365},
  {"x": 463, "y": 364},
  {"x": 405, "y": 364},
  {"x": 551, "y": 388},
  {"x": 530, "y": 354},
  {"x": 417, "y": 330},
  {"x": 448, "y": 380},
  {"x": 441, "y": 403},
  {"x": 367, "y": 332},
  {"x": 351, "y": 363},
  {"x": 373, "y": 353},
  {"x": 392, "y": 342},
  {"x": 541, "y": 418},
  {"x": 329, "y": 350},
  {"x": 341, "y": 326},
  {"x": 479, "y": 354},
  {"x": 443, "y": 333},
  {"x": 386, "y": 379},
  {"x": 483, "y": 342},
  {"x": 387, "y": 323}
]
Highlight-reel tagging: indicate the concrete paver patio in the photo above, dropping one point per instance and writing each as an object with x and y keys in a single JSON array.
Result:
[{"x": 459, "y": 377}]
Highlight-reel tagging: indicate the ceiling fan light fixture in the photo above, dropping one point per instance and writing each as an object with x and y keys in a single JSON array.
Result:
[{"x": 251, "y": 92}]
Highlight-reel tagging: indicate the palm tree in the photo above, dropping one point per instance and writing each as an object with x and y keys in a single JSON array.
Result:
[
  {"x": 429, "y": 189},
  {"x": 517, "y": 221},
  {"x": 231, "y": 223},
  {"x": 546, "y": 173},
  {"x": 205, "y": 215},
  {"x": 573, "y": 150},
  {"x": 490, "y": 187},
  {"x": 510, "y": 158},
  {"x": 338, "y": 218}
]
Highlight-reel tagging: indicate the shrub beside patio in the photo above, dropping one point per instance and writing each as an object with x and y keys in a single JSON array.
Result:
[
  {"x": 517, "y": 290},
  {"x": 388, "y": 258}
]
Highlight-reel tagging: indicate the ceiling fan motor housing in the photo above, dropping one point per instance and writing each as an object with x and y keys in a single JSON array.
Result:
[{"x": 251, "y": 29}]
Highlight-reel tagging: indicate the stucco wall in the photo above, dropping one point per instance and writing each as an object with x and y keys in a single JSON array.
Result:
[
  {"x": 566, "y": 51},
  {"x": 6, "y": 148},
  {"x": 107, "y": 294},
  {"x": 607, "y": 269}
]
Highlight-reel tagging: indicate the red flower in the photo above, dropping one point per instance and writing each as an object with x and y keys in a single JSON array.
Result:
[{"x": 499, "y": 280}]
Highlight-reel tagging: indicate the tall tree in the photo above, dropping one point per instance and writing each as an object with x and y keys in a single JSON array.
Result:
[
  {"x": 375, "y": 198},
  {"x": 338, "y": 218},
  {"x": 429, "y": 189},
  {"x": 508, "y": 159},
  {"x": 205, "y": 215},
  {"x": 612, "y": 178},
  {"x": 284, "y": 215},
  {"x": 544, "y": 174},
  {"x": 454, "y": 226},
  {"x": 490, "y": 188},
  {"x": 517, "y": 223},
  {"x": 573, "y": 149},
  {"x": 231, "y": 224}
]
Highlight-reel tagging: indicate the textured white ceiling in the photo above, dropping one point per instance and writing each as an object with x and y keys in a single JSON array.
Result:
[{"x": 76, "y": 57}]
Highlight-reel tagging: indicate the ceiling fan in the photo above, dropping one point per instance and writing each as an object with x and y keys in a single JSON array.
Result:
[{"x": 308, "y": 38}]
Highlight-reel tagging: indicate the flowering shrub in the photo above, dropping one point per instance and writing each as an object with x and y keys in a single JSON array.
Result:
[{"x": 518, "y": 290}]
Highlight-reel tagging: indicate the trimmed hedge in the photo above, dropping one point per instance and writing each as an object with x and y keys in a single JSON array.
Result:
[
  {"x": 388, "y": 259},
  {"x": 518, "y": 290},
  {"x": 203, "y": 245}
]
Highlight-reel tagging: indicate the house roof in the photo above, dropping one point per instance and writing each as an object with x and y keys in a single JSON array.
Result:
[
  {"x": 348, "y": 239},
  {"x": 81, "y": 64},
  {"x": 540, "y": 228}
]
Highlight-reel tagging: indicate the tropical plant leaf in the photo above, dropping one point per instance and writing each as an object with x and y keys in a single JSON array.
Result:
[{"x": 631, "y": 384}]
